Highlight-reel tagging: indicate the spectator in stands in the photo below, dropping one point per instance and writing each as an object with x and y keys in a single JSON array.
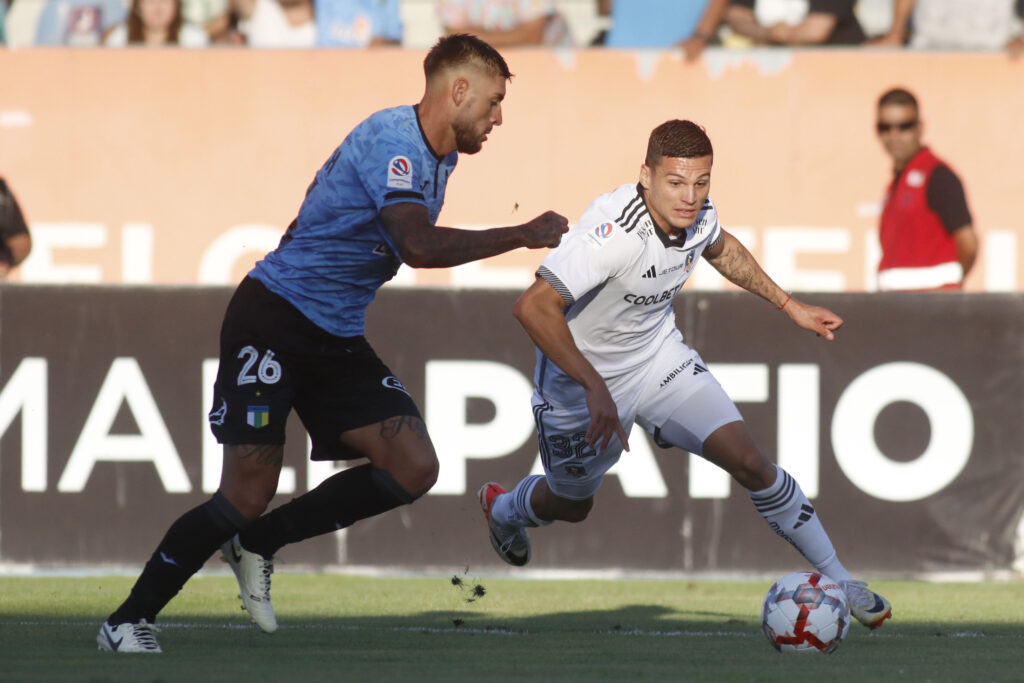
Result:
[
  {"x": 1016, "y": 44},
  {"x": 505, "y": 23},
  {"x": 156, "y": 23},
  {"x": 926, "y": 231},
  {"x": 954, "y": 24},
  {"x": 78, "y": 23},
  {"x": 266, "y": 24},
  {"x": 358, "y": 23},
  {"x": 15, "y": 241},
  {"x": 826, "y": 22},
  {"x": 663, "y": 23}
]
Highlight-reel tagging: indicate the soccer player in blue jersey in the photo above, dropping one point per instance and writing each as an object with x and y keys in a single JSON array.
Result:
[{"x": 293, "y": 338}]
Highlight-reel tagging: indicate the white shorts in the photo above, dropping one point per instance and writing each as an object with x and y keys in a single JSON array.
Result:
[{"x": 676, "y": 385}]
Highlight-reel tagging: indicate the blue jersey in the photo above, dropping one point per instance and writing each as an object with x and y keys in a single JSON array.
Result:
[{"x": 336, "y": 254}]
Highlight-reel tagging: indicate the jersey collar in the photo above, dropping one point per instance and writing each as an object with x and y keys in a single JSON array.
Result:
[{"x": 416, "y": 113}]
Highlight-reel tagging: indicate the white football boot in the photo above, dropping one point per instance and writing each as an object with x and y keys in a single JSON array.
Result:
[
  {"x": 870, "y": 608},
  {"x": 253, "y": 574},
  {"x": 129, "y": 637}
]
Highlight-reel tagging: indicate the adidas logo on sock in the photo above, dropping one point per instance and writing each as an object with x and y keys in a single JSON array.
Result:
[{"x": 806, "y": 512}]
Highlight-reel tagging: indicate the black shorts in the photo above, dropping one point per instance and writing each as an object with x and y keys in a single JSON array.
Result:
[{"x": 273, "y": 359}]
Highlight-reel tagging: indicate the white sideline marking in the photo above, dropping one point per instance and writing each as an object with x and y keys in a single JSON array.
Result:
[
  {"x": 698, "y": 634},
  {"x": 500, "y": 631}
]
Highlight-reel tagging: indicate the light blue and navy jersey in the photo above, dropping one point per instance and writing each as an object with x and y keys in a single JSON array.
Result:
[{"x": 336, "y": 254}]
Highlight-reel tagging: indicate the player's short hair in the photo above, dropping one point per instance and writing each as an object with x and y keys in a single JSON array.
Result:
[
  {"x": 899, "y": 97},
  {"x": 460, "y": 48},
  {"x": 678, "y": 139}
]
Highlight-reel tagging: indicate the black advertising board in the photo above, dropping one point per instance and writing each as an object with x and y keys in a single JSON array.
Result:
[{"x": 905, "y": 432}]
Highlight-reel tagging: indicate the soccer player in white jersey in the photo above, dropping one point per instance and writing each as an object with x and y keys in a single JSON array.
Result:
[{"x": 609, "y": 355}]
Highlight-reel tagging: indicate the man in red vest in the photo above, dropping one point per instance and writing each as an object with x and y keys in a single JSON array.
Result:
[{"x": 928, "y": 239}]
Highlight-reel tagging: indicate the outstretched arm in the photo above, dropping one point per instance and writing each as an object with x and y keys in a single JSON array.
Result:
[
  {"x": 421, "y": 244},
  {"x": 539, "y": 311},
  {"x": 736, "y": 264},
  {"x": 897, "y": 33}
]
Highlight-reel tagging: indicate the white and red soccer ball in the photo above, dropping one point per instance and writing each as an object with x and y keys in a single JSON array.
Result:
[{"x": 805, "y": 612}]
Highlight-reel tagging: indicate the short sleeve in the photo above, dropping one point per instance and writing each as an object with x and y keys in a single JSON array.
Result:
[
  {"x": 390, "y": 168},
  {"x": 946, "y": 197},
  {"x": 586, "y": 259}
]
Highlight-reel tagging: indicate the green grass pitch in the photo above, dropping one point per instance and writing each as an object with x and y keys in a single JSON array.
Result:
[{"x": 358, "y": 628}]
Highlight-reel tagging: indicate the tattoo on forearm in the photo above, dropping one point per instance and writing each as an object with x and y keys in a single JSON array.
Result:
[
  {"x": 264, "y": 454},
  {"x": 390, "y": 427},
  {"x": 737, "y": 265}
]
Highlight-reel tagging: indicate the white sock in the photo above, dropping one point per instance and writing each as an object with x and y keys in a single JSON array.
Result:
[
  {"x": 790, "y": 515},
  {"x": 514, "y": 509}
]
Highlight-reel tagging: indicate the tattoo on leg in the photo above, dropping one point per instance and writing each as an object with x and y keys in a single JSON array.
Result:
[
  {"x": 390, "y": 427},
  {"x": 264, "y": 454}
]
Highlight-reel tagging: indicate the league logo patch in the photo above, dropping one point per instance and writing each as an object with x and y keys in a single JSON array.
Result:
[
  {"x": 599, "y": 235},
  {"x": 392, "y": 382},
  {"x": 400, "y": 173},
  {"x": 257, "y": 416}
]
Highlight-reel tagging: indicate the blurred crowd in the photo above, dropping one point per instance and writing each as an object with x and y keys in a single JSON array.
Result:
[{"x": 691, "y": 25}]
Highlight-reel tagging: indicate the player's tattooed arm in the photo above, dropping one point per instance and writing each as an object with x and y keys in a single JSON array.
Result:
[
  {"x": 263, "y": 454},
  {"x": 424, "y": 245},
  {"x": 736, "y": 264},
  {"x": 390, "y": 427}
]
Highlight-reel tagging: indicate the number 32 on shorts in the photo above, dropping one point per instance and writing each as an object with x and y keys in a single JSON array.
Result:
[{"x": 267, "y": 369}]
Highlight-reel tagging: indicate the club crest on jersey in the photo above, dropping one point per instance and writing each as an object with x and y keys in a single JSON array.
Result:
[
  {"x": 257, "y": 416},
  {"x": 392, "y": 382},
  {"x": 400, "y": 173},
  {"x": 599, "y": 236}
]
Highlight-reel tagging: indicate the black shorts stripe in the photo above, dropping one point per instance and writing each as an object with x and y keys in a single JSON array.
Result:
[{"x": 542, "y": 442}]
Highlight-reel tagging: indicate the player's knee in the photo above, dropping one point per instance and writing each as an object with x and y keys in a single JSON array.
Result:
[
  {"x": 425, "y": 476},
  {"x": 577, "y": 510},
  {"x": 752, "y": 470},
  {"x": 251, "y": 501},
  {"x": 418, "y": 474}
]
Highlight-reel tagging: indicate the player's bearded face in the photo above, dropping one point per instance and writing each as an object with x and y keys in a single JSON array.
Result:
[
  {"x": 480, "y": 112},
  {"x": 675, "y": 190}
]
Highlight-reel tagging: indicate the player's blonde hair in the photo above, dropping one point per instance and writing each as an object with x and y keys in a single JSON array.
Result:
[{"x": 679, "y": 139}]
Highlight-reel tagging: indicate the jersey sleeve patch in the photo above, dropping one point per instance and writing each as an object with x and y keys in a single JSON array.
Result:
[
  {"x": 601, "y": 235},
  {"x": 400, "y": 173}
]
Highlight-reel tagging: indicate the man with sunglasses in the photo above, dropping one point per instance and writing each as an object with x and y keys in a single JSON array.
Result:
[{"x": 926, "y": 231}]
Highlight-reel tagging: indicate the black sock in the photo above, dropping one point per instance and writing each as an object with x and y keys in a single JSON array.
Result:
[
  {"x": 339, "y": 501},
  {"x": 186, "y": 546}
]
